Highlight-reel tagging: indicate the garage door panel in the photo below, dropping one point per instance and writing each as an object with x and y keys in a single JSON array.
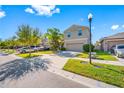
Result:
[{"x": 74, "y": 47}]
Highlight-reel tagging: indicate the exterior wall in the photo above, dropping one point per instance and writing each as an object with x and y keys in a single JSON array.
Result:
[
  {"x": 108, "y": 44},
  {"x": 104, "y": 45},
  {"x": 74, "y": 34},
  {"x": 76, "y": 42},
  {"x": 75, "y": 45},
  {"x": 113, "y": 43},
  {"x": 98, "y": 47}
]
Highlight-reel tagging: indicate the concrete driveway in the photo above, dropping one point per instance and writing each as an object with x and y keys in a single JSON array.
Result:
[
  {"x": 120, "y": 59},
  {"x": 68, "y": 53},
  {"x": 17, "y": 72}
]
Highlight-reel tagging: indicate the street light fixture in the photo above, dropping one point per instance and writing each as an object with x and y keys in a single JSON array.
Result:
[{"x": 90, "y": 16}]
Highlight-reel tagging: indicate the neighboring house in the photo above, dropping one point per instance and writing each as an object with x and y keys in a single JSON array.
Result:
[
  {"x": 97, "y": 45},
  {"x": 107, "y": 43},
  {"x": 75, "y": 37}
]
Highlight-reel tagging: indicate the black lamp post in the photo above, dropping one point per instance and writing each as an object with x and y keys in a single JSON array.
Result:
[{"x": 90, "y": 20}]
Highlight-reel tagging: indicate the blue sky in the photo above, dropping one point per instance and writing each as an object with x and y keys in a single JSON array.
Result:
[{"x": 107, "y": 20}]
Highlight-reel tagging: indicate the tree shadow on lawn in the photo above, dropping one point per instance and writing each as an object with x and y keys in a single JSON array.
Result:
[{"x": 19, "y": 67}]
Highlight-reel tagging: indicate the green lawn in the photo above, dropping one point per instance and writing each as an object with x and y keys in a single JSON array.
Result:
[
  {"x": 99, "y": 55},
  {"x": 82, "y": 55},
  {"x": 8, "y": 51},
  {"x": 103, "y": 72},
  {"x": 35, "y": 54},
  {"x": 26, "y": 55},
  {"x": 45, "y": 52}
]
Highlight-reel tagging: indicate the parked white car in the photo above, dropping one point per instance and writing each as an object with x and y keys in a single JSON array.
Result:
[{"x": 119, "y": 50}]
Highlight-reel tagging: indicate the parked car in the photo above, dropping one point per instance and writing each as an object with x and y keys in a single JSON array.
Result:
[
  {"x": 119, "y": 50},
  {"x": 46, "y": 48},
  {"x": 37, "y": 48},
  {"x": 25, "y": 50},
  {"x": 112, "y": 50}
]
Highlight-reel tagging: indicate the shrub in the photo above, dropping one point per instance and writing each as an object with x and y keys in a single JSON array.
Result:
[
  {"x": 86, "y": 47},
  {"x": 63, "y": 49}
]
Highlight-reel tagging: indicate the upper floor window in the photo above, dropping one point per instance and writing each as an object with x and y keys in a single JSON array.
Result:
[
  {"x": 80, "y": 33},
  {"x": 68, "y": 34}
]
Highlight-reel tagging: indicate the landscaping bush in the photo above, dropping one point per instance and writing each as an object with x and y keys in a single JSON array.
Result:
[
  {"x": 63, "y": 49},
  {"x": 86, "y": 48}
]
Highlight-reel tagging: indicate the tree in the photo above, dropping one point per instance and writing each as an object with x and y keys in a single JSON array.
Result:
[
  {"x": 55, "y": 38},
  {"x": 28, "y": 36},
  {"x": 0, "y": 43},
  {"x": 3, "y": 44},
  {"x": 8, "y": 43},
  {"x": 13, "y": 41},
  {"x": 61, "y": 42},
  {"x": 24, "y": 35},
  {"x": 36, "y": 37},
  {"x": 86, "y": 48}
]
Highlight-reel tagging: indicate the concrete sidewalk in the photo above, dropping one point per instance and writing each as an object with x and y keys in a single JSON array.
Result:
[
  {"x": 7, "y": 58},
  {"x": 57, "y": 63},
  {"x": 118, "y": 63}
]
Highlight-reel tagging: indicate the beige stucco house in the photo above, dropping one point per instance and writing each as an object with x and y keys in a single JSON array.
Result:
[
  {"x": 75, "y": 37},
  {"x": 107, "y": 43}
]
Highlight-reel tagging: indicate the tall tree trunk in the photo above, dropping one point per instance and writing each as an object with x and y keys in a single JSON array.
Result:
[
  {"x": 13, "y": 49},
  {"x": 29, "y": 51}
]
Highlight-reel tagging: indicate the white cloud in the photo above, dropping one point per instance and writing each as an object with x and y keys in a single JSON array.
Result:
[
  {"x": 29, "y": 10},
  {"x": 2, "y": 13},
  {"x": 115, "y": 27},
  {"x": 122, "y": 26},
  {"x": 44, "y": 10}
]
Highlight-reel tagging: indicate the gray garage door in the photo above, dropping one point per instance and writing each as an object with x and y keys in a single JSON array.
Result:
[{"x": 74, "y": 47}]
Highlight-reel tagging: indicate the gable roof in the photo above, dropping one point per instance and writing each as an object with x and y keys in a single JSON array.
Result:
[
  {"x": 118, "y": 35},
  {"x": 115, "y": 36},
  {"x": 75, "y": 28}
]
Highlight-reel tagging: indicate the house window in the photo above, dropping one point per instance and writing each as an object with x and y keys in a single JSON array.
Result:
[
  {"x": 68, "y": 34},
  {"x": 80, "y": 33}
]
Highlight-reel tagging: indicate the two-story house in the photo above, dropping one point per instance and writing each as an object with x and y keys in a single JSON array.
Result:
[{"x": 75, "y": 37}]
